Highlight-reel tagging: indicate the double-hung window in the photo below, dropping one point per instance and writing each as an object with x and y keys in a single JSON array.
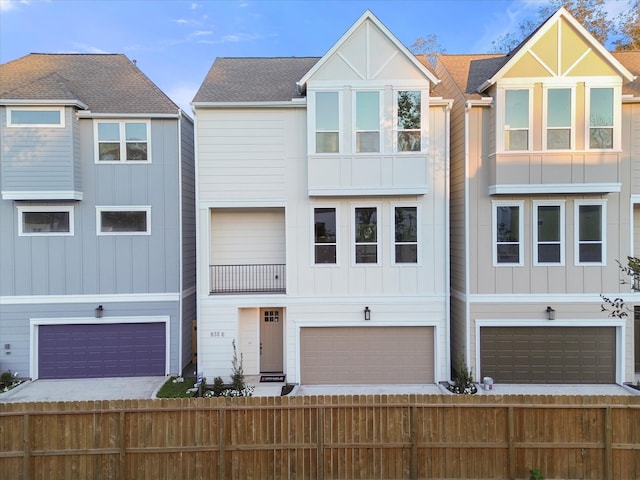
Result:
[
  {"x": 327, "y": 108},
  {"x": 35, "y": 117},
  {"x": 548, "y": 233},
  {"x": 366, "y": 235},
  {"x": 45, "y": 220},
  {"x": 409, "y": 120},
  {"x": 516, "y": 119},
  {"x": 367, "y": 121},
  {"x": 507, "y": 233},
  {"x": 590, "y": 221},
  {"x": 324, "y": 232},
  {"x": 123, "y": 220},
  {"x": 559, "y": 113},
  {"x": 601, "y": 118},
  {"x": 122, "y": 141},
  {"x": 406, "y": 234}
]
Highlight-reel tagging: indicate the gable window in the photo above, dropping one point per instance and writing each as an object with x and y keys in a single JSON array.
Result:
[
  {"x": 367, "y": 121},
  {"x": 406, "y": 235},
  {"x": 548, "y": 233},
  {"x": 45, "y": 220},
  {"x": 559, "y": 118},
  {"x": 324, "y": 235},
  {"x": 601, "y": 118},
  {"x": 409, "y": 119},
  {"x": 327, "y": 122},
  {"x": 122, "y": 141},
  {"x": 590, "y": 228},
  {"x": 123, "y": 220},
  {"x": 507, "y": 233},
  {"x": 516, "y": 120},
  {"x": 366, "y": 235},
  {"x": 35, "y": 117}
]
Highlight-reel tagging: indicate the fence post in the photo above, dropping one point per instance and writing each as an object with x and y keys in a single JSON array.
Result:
[
  {"x": 320, "y": 443},
  {"x": 221, "y": 434},
  {"x": 413, "y": 415},
  {"x": 512, "y": 447},
  {"x": 608, "y": 438},
  {"x": 26, "y": 447},
  {"x": 122, "y": 425}
]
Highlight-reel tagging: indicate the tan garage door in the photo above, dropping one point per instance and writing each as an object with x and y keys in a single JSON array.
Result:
[
  {"x": 366, "y": 355},
  {"x": 548, "y": 354}
]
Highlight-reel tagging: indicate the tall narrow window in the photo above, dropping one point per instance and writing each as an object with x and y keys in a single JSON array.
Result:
[
  {"x": 601, "y": 118},
  {"x": 516, "y": 120},
  {"x": 122, "y": 141},
  {"x": 406, "y": 234},
  {"x": 327, "y": 122},
  {"x": 507, "y": 234},
  {"x": 367, "y": 122},
  {"x": 366, "y": 235},
  {"x": 324, "y": 235},
  {"x": 559, "y": 118},
  {"x": 548, "y": 234},
  {"x": 409, "y": 114},
  {"x": 590, "y": 230}
]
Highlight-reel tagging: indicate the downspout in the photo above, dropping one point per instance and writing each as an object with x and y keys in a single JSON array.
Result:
[
  {"x": 447, "y": 190},
  {"x": 180, "y": 248},
  {"x": 467, "y": 282}
]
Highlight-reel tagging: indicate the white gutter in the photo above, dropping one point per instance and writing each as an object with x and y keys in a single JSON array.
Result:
[
  {"x": 293, "y": 103},
  {"x": 89, "y": 114},
  {"x": 36, "y": 102}
]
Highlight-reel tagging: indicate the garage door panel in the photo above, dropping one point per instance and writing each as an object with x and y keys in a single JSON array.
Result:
[
  {"x": 548, "y": 354},
  {"x": 366, "y": 355}
]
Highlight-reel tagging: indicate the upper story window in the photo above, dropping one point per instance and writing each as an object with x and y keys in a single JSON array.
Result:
[
  {"x": 590, "y": 232},
  {"x": 559, "y": 121},
  {"x": 516, "y": 120},
  {"x": 409, "y": 115},
  {"x": 324, "y": 232},
  {"x": 366, "y": 235},
  {"x": 367, "y": 122},
  {"x": 123, "y": 220},
  {"x": 548, "y": 233},
  {"x": 327, "y": 122},
  {"x": 35, "y": 117},
  {"x": 406, "y": 234},
  {"x": 122, "y": 141},
  {"x": 601, "y": 118},
  {"x": 507, "y": 233},
  {"x": 45, "y": 220}
]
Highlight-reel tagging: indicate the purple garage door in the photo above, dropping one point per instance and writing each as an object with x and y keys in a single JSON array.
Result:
[{"x": 102, "y": 350}]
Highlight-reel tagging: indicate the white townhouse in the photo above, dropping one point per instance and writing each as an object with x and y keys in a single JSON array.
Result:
[{"x": 322, "y": 188}]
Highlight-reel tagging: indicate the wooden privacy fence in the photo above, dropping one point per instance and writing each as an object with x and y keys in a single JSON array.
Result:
[{"x": 324, "y": 437}]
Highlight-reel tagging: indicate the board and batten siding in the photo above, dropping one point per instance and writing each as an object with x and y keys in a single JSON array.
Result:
[
  {"x": 631, "y": 142},
  {"x": 53, "y": 162}
]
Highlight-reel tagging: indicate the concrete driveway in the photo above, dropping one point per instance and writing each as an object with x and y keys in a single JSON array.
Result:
[{"x": 84, "y": 389}]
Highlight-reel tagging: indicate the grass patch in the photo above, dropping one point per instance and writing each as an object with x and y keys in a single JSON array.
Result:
[{"x": 172, "y": 389}]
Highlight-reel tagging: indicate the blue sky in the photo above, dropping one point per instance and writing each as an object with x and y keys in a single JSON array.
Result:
[{"x": 175, "y": 42}]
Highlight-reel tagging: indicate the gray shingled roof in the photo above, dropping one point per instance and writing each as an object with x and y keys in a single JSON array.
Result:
[
  {"x": 253, "y": 79},
  {"x": 106, "y": 83}
]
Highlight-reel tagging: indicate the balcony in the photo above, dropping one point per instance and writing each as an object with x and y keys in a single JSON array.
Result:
[{"x": 238, "y": 279}]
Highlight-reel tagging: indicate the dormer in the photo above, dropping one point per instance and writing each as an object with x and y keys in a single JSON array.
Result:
[
  {"x": 368, "y": 116},
  {"x": 558, "y": 106}
]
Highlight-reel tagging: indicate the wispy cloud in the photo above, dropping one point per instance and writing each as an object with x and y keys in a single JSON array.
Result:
[
  {"x": 181, "y": 21},
  {"x": 200, "y": 33},
  {"x": 8, "y": 5},
  {"x": 83, "y": 48},
  {"x": 236, "y": 38},
  {"x": 504, "y": 22}
]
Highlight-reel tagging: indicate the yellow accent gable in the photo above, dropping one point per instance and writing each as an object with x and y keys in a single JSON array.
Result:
[
  {"x": 592, "y": 65},
  {"x": 546, "y": 49},
  {"x": 528, "y": 66}
]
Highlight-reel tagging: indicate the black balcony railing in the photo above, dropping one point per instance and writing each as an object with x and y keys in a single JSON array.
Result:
[{"x": 247, "y": 279}]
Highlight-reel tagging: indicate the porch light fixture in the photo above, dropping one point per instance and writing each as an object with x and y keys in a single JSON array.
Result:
[
  {"x": 551, "y": 313},
  {"x": 367, "y": 313},
  {"x": 99, "y": 311}
]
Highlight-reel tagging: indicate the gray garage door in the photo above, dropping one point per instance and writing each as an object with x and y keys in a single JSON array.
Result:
[
  {"x": 548, "y": 354},
  {"x": 366, "y": 355},
  {"x": 103, "y": 350}
]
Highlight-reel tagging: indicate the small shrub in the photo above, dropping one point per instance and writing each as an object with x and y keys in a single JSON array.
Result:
[
  {"x": 535, "y": 474},
  {"x": 237, "y": 373},
  {"x": 218, "y": 386},
  {"x": 463, "y": 381},
  {"x": 6, "y": 379}
]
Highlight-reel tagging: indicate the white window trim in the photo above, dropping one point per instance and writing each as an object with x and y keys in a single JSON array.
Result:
[
  {"x": 354, "y": 116},
  {"x": 311, "y": 129},
  {"x": 423, "y": 120},
  {"x": 10, "y": 124},
  {"x": 501, "y": 111},
  {"x": 550, "y": 203},
  {"x": 48, "y": 208},
  {"x": 494, "y": 231},
  {"x": 576, "y": 231},
  {"x": 126, "y": 208},
  {"x": 392, "y": 233},
  {"x": 617, "y": 118},
  {"x": 313, "y": 235},
  {"x": 545, "y": 117},
  {"x": 122, "y": 141},
  {"x": 378, "y": 208}
]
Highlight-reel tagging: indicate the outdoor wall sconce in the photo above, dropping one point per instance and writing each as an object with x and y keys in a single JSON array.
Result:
[
  {"x": 99, "y": 311},
  {"x": 551, "y": 313},
  {"x": 367, "y": 313}
]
